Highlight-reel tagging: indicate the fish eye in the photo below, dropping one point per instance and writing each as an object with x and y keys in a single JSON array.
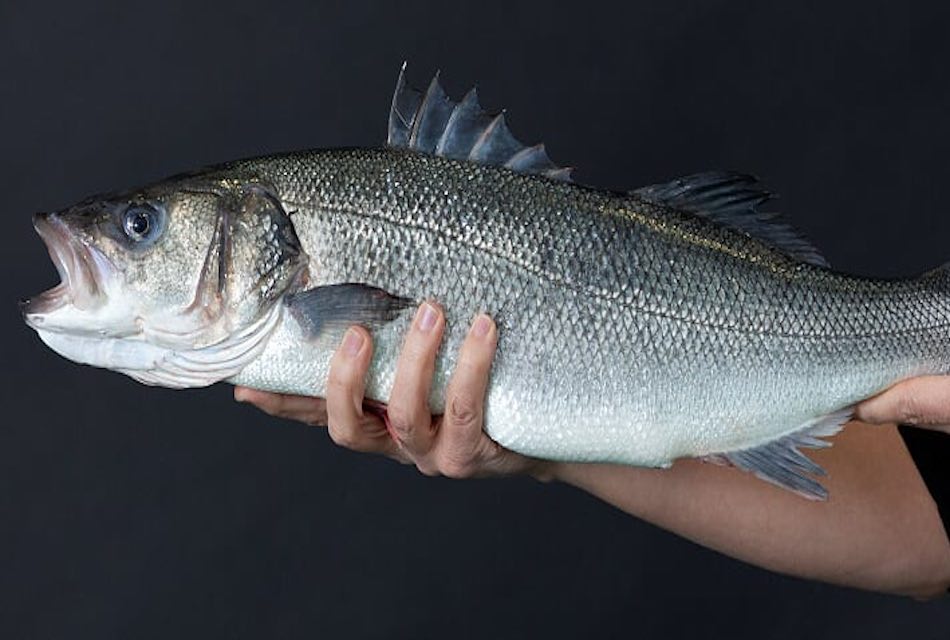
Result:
[{"x": 142, "y": 222}]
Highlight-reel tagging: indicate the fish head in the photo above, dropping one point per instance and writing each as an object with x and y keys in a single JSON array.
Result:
[{"x": 176, "y": 284}]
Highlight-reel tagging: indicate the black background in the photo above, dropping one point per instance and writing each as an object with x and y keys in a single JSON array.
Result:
[{"x": 128, "y": 511}]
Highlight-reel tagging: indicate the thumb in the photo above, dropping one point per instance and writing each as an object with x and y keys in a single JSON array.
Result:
[{"x": 923, "y": 401}]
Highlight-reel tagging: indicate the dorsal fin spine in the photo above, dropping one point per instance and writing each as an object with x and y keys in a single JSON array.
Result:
[
  {"x": 529, "y": 156},
  {"x": 482, "y": 142},
  {"x": 419, "y": 115},
  {"x": 398, "y": 125},
  {"x": 433, "y": 123},
  {"x": 453, "y": 120}
]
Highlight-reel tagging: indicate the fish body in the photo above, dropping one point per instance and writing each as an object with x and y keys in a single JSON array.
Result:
[
  {"x": 672, "y": 321},
  {"x": 629, "y": 332}
]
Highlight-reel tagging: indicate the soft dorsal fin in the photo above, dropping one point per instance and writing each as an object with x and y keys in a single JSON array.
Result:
[
  {"x": 431, "y": 122},
  {"x": 733, "y": 200}
]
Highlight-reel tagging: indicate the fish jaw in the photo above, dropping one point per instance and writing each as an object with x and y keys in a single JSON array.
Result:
[
  {"x": 84, "y": 301},
  {"x": 157, "y": 365},
  {"x": 84, "y": 318},
  {"x": 87, "y": 318}
]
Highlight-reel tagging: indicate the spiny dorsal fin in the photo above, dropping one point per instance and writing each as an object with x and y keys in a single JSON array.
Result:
[
  {"x": 733, "y": 200},
  {"x": 431, "y": 122}
]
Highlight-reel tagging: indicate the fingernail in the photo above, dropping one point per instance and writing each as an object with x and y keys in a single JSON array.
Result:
[
  {"x": 427, "y": 317},
  {"x": 481, "y": 326},
  {"x": 240, "y": 394},
  {"x": 352, "y": 342}
]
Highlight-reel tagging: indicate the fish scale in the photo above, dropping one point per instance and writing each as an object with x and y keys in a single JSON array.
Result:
[
  {"x": 677, "y": 320},
  {"x": 730, "y": 327}
]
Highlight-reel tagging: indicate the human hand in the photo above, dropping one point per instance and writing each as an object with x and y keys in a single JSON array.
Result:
[
  {"x": 921, "y": 402},
  {"x": 454, "y": 444}
]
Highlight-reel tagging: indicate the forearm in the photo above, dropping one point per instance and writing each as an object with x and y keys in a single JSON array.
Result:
[{"x": 879, "y": 529}]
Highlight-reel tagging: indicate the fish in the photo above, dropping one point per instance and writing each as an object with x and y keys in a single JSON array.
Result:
[{"x": 677, "y": 320}]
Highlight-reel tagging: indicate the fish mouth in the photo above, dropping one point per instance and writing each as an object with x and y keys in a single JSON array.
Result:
[{"x": 81, "y": 270}]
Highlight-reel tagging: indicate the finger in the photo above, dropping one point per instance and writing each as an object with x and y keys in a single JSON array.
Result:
[
  {"x": 306, "y": 409},
  {"x": 463, "y": 444},
  {"x": 408, "y": 409},
  {"x": 919, "y": 401},
  {"x": 347, "y": 423}
]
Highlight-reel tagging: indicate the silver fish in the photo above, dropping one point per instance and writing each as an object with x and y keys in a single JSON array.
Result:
[{"x": 675, "y": 320}]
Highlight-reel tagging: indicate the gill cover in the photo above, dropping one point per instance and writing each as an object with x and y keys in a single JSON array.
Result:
[{"x": 252, "y": 259}]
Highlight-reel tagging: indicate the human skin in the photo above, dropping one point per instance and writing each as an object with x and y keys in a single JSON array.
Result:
[
  {"x": 878, "y": 530},
  {"x": 921, "y": 402}
]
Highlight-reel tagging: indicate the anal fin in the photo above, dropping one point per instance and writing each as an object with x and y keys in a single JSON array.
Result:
[{"x": 782, "y": 463}]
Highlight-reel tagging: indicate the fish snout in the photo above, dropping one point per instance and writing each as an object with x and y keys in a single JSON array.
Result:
[
  {"x": 40, "y": 219},
  {"x": 80, "y": 267}
]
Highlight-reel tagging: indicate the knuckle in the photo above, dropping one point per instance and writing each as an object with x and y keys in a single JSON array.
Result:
[
  {"x": 343, "y": 437},
  {"x": 464, "y": 411},
  {"x": 427, "y": 469},
  {"x": 908, "y": 408},
  {"x": 457, "y": 467},
  {"x": 316, "y": 420},
  {"x": 400, "y": 420}
]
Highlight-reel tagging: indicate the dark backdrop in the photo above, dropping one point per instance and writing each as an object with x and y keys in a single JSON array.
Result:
[{"x": 128, "y": 511}]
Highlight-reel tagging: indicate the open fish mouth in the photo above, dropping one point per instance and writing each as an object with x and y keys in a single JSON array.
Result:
[{"x": 81, "y": 270}]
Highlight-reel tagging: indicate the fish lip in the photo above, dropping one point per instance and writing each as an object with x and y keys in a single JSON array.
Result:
[{"x": 81, "y": 270}]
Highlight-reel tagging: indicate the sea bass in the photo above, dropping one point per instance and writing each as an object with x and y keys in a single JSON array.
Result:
[{"x": 676, "y": 320}]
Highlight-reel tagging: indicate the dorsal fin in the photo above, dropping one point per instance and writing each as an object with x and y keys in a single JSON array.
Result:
[
  {"x": 431, "y": 122},
  {"x": 733, "y": 200}
]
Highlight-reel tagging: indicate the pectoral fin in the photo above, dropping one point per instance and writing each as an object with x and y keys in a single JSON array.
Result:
[{"x": 326, "y": 312}]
